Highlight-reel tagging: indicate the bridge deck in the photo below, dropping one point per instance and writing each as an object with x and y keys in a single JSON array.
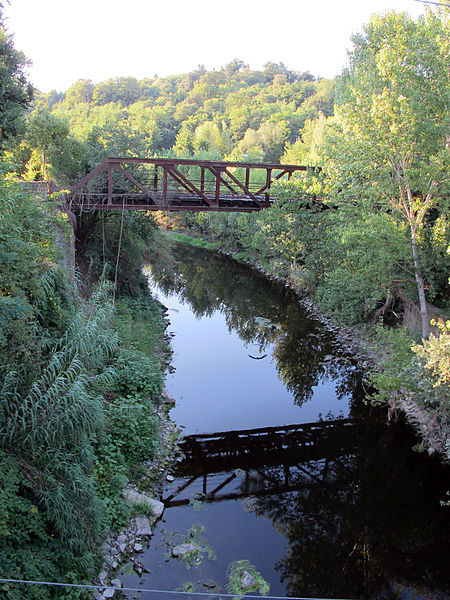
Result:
[{"x": 178, "y": 184}]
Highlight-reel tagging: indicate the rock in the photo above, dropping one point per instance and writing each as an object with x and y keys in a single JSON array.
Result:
[
  {"x": 108, "y": 593},
  {"x": 122, "y": 548},
  {"x": 156, "y": 506},
  {"x": 138, "y": 547},
  {"x": 116, "y": 583},
  {"x": 183, "y": 550},
  {"x": 170, "y": 478},
  {"x": 102, "y": 576},
  {"x": 110, "y": 563},
  {"x": 136, "y": 498},
  {"x": 121, "y": 539},
  {"x": 142, "y": 526},
  {"x": 247, "y": 580},
  {"x": 167, "y": 398}
]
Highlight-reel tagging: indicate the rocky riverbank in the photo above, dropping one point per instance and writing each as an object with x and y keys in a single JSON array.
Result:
[{"x": 127, "y": 544}]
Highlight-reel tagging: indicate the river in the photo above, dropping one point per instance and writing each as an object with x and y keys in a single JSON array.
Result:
[{"x": 343, "y": 509}]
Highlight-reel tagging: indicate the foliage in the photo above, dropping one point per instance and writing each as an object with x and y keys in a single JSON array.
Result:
[
  {"x": 435, "y": 354},
  {"x": 216, "y": 114},
  {"x": 365, "y": 262},
  {"x": 38, "y": 304},
  {"x": 60, "y": 415},
  {"x": 392, "y": 111},
  {"x": 53, "y": 152},
  {"x": 195, "y": 536},
  {"x": 140, "y": 326},
  {"x": 138, "y": 374},
  {"x": 416, "y": 373},
  {"x": 133, "y": 426},
  {"x": 16, "y": 91},
  {"x": 117, "y": 239},
  {"x": 66, "y": 449},
  {"x": 234, "y": 574},
  {"x": 26, "y": 548}
]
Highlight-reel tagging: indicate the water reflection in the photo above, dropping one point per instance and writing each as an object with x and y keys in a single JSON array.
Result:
[
  {"x": 361, "y": 512},
  {"x": 267, "y": 456},
  {"x": 379, "y": 534},
  {"x": 356, "y": 514},
  {"x": 262, "y": 313}
]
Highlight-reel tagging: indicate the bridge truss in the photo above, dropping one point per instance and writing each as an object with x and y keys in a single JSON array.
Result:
[{"x": 170, "y": 184}]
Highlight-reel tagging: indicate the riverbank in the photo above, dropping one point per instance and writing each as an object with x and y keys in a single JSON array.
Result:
[
  {"x": 377, "y": 353},
  {"x": 141, "y": 443}
]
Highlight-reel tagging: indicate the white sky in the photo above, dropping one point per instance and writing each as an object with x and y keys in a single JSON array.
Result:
[{"x": 69, "y": 40}]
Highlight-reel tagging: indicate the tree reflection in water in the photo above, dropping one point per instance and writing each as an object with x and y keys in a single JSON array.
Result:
[
  {"x": 360, "y": 512},
  {"x": 208, "y": 282},
  {"x": 375, "y": 530}
]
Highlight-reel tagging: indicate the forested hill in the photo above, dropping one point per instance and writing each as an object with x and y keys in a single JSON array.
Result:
[{"x": 228, "y": 113}]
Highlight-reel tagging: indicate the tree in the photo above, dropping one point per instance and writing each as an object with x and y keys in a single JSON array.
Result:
[
  {"x": 46, "y": 132},
  {"x": 16, "y": 92},
  {"x": 393, "y": 110},
  {"x": 234, "y": 67},
  {"x": 81, "y": 91}
]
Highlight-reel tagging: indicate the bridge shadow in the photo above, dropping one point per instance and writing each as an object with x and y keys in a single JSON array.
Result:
[{"x": 230, "y": 465}]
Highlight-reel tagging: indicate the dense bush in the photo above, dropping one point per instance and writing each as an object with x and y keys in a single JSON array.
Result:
[{"x": 76, "y": 411}]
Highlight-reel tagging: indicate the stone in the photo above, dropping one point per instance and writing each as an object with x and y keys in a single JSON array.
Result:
[
  {"x": 121, "y": 539},
  {"x": 142, "y": 526},
  {"x": 108, "y": 593},
  {"x": 156, "y": 506},
  {"x": 247, "y": 580},
  {"x": 170, "y": 478},
  {"x": 136, "y": 498},
  {"x": 102, "y": 576},
  {"x": 183, "y": 550},
  {"x": 122, "y": 548},
  {"x": 116, "y": 583},
  {"x": 138, "y": 547}
]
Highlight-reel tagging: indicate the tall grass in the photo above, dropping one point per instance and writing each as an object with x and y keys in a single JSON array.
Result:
[{"x": 53, "y": 427}]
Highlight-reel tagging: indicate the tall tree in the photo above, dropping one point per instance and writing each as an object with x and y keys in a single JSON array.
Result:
[
  {"x": 393, "y": 111},
  {"x": 47, "y": 134},
  {"x": 15, "y": 91}
]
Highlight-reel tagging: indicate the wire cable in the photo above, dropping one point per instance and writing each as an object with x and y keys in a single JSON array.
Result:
[
  {"x": 170, "y": 592},
  {"x": 435, "y": 3}
]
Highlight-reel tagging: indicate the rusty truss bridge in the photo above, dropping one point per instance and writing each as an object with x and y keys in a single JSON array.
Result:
[
  {"x": 170, "y": 184},
  {"x": 260, "y": 462}
]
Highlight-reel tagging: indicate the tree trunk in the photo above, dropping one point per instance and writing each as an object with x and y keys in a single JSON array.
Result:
[{"x": 420, "y": 287}]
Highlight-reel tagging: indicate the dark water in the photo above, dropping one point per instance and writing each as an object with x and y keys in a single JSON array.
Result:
[{"x": 340, "y": 509}]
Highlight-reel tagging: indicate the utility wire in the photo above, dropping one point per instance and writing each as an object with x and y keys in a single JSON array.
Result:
[
  {"x": 435, "y": 3},
  {"x": 118, "y": 251},
  {"x": 172, "y": 592}
]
